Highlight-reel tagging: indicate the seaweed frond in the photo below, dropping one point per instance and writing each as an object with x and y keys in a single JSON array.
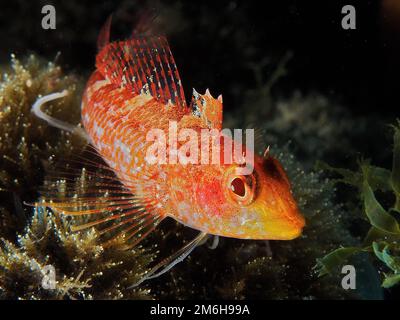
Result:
[{"x": 383, "y": 238}]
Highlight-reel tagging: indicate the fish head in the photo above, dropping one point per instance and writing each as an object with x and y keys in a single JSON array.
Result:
[
  {"x": 226, "y": 200},
  {"x": 260, "y": 205}
]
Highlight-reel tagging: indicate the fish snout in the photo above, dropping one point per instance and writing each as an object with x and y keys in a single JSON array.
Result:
[{"x": 286, "y": 226}]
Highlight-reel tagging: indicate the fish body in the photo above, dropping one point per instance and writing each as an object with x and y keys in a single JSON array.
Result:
[{"x": 136, "y": 88}]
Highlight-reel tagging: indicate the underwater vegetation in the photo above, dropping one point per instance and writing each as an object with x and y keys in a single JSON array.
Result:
[
  {"x": 84, "y": 269},
  {"x": 26, "y": 146},
  {"x": 379, "y": 192},
  {"x": 32, "y": 238}
]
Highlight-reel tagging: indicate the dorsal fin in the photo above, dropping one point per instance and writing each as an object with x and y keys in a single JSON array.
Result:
[
  {"x": 209, "y": 109},
  {"x": 144, "y": 22},
  {"x": 104, "y": 35},
  {"x": 146, "y": 66}
]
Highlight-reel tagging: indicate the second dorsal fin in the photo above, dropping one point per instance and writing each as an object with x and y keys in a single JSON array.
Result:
[{"x": 144, "y": 65}]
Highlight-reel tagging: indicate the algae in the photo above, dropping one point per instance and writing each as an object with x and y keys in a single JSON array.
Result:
[{"x": 382, "y": 239}]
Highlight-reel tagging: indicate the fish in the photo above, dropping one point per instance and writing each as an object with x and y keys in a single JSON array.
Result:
[{"x": 136, "y": 88}]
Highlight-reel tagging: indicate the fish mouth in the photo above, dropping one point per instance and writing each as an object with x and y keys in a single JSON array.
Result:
[
  {"x": 288, "y": 233},
  {"x": 287, "y": 228},
  {"x": 297, "y": 219},
  {"x": 298, "y": 223},
  {"x": 294, "y": 233}
]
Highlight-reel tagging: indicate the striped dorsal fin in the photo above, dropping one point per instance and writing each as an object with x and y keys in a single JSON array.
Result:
[{"x": 145, "y": 65}]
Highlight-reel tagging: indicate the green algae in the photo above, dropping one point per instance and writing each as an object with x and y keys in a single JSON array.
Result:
[{"x": 383, "y": 237}]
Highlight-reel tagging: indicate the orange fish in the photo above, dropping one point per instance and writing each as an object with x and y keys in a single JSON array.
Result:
[{"x": 136, "y": 88}]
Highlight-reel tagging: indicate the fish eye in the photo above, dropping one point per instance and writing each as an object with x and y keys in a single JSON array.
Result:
[
  {"x": 238, "y": 187},
  {"x": 241, "y": 189}
]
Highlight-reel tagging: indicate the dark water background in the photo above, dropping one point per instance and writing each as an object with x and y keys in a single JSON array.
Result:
[{"x": 217, "y": 39}]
